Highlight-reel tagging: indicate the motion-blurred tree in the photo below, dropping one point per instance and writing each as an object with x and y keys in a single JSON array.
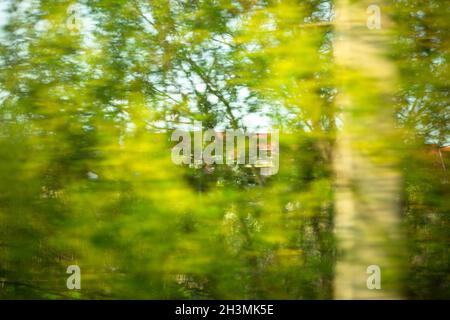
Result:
[{"x": 91, "y": 90}]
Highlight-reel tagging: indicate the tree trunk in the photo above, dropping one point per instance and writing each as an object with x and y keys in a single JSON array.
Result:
[{"x": 365, "y": 157}]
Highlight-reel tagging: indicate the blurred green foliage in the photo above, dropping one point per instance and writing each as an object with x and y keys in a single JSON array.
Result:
[{"x": 87, "y": 104}]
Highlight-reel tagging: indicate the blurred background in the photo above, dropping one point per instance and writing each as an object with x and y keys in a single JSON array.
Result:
[{"x": 90, "y": 92}]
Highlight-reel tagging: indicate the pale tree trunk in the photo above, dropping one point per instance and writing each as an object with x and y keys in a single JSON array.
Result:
[{"x": 366, "y": 157}]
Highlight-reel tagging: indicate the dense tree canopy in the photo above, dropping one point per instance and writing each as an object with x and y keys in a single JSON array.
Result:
[{"x": 90, "y": 92}]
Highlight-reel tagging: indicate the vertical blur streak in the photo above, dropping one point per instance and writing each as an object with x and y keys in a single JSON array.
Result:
[{"x": 366, "y": 159}]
